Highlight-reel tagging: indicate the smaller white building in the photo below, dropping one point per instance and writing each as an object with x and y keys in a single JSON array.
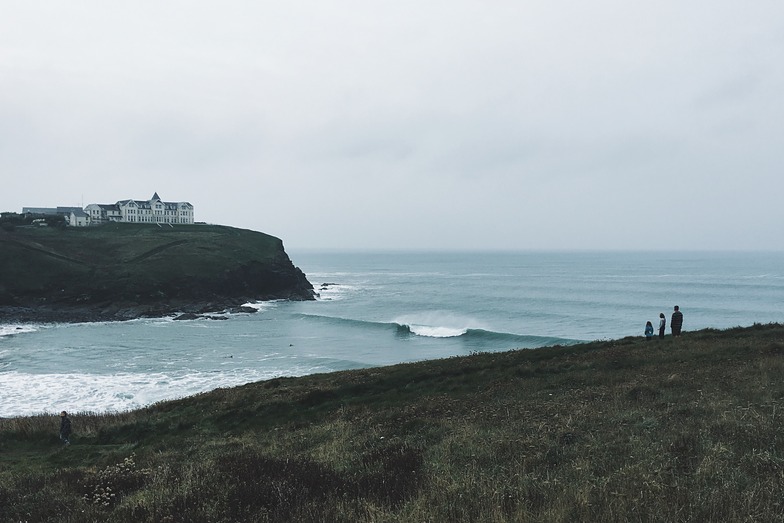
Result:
[
  {"x": 74, "y": 216},
  {"x": 102, "y": 213},
  {"x": 78, "y": 218}
]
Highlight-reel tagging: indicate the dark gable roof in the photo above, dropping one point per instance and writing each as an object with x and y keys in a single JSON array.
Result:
[
  {"x": 147, "y": 204},
  {"x": 138, "y": 203},
  {"x": 39, "y": 210},
  {"x": 67, "y": 210}
]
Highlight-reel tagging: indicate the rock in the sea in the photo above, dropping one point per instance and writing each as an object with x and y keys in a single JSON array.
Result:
[
  {"x": 244, "y": 309},
  {"x": 187, "y": 316}
]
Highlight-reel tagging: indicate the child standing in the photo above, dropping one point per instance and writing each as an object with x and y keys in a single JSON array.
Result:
[{"x": 648, "y": 331}]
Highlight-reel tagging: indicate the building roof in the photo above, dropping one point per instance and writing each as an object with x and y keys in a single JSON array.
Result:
[
  {"x": 147, "y": 204},
  {"x": 39, "y": 210}
]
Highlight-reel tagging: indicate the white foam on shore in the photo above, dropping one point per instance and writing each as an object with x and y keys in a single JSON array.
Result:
[
  {"x": 261, "y": 306},
  {"x": 10, "y": 330},
  {"x": 29, "y": 394}
]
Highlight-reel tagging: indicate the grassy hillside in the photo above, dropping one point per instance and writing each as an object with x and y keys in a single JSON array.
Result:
[
  {"x": 141, "y": 264},
  {"x": 627, "y": 430}
]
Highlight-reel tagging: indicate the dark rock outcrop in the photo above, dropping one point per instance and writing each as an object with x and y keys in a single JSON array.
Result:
[{"x": 127, "y": 272}]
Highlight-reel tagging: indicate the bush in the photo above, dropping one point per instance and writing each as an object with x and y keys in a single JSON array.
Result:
[{"x": 108, "y": 486}]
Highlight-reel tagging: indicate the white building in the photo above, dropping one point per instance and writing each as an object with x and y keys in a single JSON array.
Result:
[
  {"x": 78, "y": 218},
  {"x": 153, "y": 210},
  {"x": 74, "y": 216}
]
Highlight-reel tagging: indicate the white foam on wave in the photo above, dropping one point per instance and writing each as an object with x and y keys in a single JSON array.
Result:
[
  {"x": 436, "y": 332},
  {"x": 10, "y": 330},
  {"x": 333, "y": 291},
  {"x": 438, "y": 324},
  {"x": 261, "y": 306},
  {"x": 27, "y": 394}
]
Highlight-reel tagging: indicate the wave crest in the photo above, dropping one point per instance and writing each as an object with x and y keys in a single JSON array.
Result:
[
  {"x": 429, "y": 331},
  {"x": 479, "y": 336},
  {"x": 437, "y": 324}
]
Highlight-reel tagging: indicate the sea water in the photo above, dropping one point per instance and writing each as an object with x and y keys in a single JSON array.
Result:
[{"x": 384, "y": 308}]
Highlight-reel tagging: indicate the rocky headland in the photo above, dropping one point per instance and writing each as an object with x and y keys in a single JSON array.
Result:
[{"x": 125, "y": 271}]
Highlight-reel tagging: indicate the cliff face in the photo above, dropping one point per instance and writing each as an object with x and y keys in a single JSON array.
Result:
[{"x": 122, "y": 271}]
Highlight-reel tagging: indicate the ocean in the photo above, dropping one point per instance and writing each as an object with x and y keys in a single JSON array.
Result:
[{"x": 383, "y": 308}]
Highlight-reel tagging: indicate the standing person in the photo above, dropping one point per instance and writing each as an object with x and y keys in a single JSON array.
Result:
[
  {"x": 676, "y": 323},
  {"x": 662, "y": 325},
  {"x": 648, "y": 331},
  {"x": 65, "y": 428}
]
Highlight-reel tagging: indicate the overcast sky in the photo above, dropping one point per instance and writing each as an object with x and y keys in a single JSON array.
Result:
[{"x": 454, "y": 124}]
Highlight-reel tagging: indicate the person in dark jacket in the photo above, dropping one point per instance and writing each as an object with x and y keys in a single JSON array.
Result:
[
  {"x": 662, "y": 325},
  {"x": 65, "y": 428},
  {"x": 676, "y": 323}
]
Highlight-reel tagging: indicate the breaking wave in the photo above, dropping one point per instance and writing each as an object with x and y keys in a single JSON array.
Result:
[{"x": 404, "y": 327}]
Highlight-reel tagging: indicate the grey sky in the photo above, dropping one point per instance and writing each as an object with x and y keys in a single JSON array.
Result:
[{"x": 397, "y": 124}]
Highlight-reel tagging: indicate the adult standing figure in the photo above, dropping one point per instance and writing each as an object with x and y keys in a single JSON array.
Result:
[
  {"x": 676, "y": 323},
  {"x": 65, "y": 428},
  {"x": 662, "y": 325}
]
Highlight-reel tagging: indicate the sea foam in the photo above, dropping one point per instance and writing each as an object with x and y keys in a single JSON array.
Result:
[
  {"x": 261, "y": 306},
  {"x": 25, "y": 394},
  {"x": 436, "y": 332},
  {"x": 10, "y": 330},
  {"x": 438, "y": 324},
  {"x": 333, "y": 291}
]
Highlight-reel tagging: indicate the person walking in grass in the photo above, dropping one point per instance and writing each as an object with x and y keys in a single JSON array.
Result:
[
  {"x": 676, "y": 323},
  {"x": 648, "y": 331},
  {"x": 65, "y": 428},
  {"x": 662, "y": 325}
]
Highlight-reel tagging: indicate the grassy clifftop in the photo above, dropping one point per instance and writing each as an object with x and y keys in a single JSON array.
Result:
[
  {"x": 625, "y": 430},
  {"x": 112, "y": 266}
]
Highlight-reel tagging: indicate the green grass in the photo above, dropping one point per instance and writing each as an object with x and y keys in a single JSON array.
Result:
[{"x": 623, "y": 430}]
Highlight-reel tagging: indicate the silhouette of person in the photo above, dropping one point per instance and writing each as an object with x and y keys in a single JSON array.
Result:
[
  {"x": 676, "y": 322},
  {"x": 65, "y": 428},
  {"x": 662, "y": 325}
]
